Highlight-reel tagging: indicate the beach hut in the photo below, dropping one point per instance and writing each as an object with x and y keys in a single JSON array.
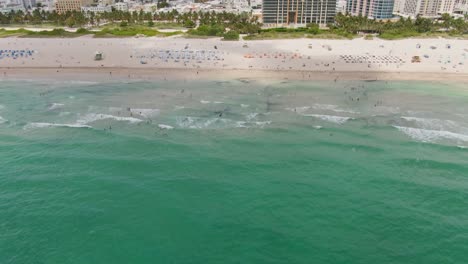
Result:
[
  {"x": 98, "y": 56},
  {"x": 416, "y": 59}
]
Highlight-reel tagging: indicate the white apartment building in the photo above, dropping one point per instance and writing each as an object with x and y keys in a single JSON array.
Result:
[
  {"x": 7, "y": 8},
  {"x": 341, "y": 6},
  {"x": 461, "y": 7},
  {"x": 121, "y": 6},
  {"x": 398, "y": 6},
  {"x": 446, "y": 6},
  {"x": 424, "y": 8}
]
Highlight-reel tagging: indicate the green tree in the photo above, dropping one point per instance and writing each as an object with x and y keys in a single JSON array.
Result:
[
  {"x": 231, "y": 35},
  {"x": 70, "y": 22},
  {"x": 447, "y": 20},
  {"x": 423, "y": 24}
]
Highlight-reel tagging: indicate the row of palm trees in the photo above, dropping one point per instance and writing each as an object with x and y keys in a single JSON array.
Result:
[
  {"x": 355, "y": 24},
  {"x": 242, "y": 22}
]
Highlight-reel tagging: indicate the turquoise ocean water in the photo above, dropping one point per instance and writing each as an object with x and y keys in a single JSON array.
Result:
[{"x": 242, "y": 171}]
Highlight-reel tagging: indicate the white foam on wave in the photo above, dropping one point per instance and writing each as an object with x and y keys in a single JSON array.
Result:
[
  {"x": 318, "y": 127},
  {"x": 329, "y": 118},
  {"x": 333, "y": 108},
  {"x": 205, "y": 102},
  {"x": 427, "y": 135},
  {"x": 216, "y": 123},
  {"x": 2, "y": 107},
  {"x": 198, "y": 122},
  {"x": 262, "y": 123},
  {"x": 433, "y": 124},
  {"x": 241, "y": 124},
  {"x": 3, "y": 120},
  {"x": 93, "y": 117},
  {"x": 247, "y": 124},
  {"x": 163, "y": 126},
  {"x": 244, "y": 105},
  {"x": 44, "y": 125},
  {"x": 54, "y": 106},
  {"x": 251, "y": 116},
  {"x": 146, "y": 112}
]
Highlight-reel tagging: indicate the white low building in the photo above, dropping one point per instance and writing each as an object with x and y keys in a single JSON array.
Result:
[
  {"x": 121, "y": 6},
  {"x": 461, "y": 8},
  {"x": 143, "y": 7},
  {"x": 96, "y": 9},
  {"x": 12, "y": 7}
]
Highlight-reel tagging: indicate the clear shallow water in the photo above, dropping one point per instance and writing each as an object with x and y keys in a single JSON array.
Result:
[{"x": 233, "y": 172}]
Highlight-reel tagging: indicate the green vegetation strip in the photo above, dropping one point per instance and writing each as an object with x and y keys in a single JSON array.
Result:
[{"x": 106, "y": 32}]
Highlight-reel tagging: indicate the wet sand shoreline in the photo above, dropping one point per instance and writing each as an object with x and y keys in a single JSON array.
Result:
[{"x": 117, "y": 74}]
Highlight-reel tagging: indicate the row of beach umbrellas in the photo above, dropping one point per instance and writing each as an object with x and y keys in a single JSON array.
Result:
[
  {"x": 16, "y": 53},
  {"x": 166, "y": 54},
  {"x": 371, "y": 59}
]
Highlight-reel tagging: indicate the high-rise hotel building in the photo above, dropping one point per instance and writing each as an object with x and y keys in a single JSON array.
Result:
[
  {"x": 424, "y": 8},
  {"x": 374, "y": 9},
  {"x": 298, "y": 12}
]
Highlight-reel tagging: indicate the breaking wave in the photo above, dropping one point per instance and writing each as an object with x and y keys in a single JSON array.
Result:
[
  {"x": 162, "y": 126},
  {"x": 90, "y": 118},
  {"x": 329, "y": 118},
  {"x": 217, "y": 123},
  {"x": 55, "y": 106},
  {"x": 427, "y": 135},
  {"x": 44, "y": 125},
  {"x": 433, "y": 124},
  {"x": 333, "y": 108}
]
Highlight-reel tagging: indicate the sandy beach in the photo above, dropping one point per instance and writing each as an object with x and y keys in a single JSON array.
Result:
[{"x": 180, "y": 58}]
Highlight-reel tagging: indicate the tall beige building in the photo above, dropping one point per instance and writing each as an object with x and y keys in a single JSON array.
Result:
[
  {"x": 298, "y": 12},
  {"x": 63, "y": 6}
]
